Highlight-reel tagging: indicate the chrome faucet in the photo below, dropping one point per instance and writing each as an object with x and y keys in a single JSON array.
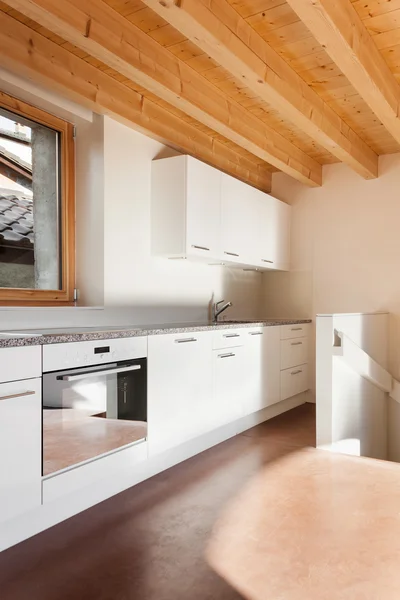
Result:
[{"x": 217, "y": 311}]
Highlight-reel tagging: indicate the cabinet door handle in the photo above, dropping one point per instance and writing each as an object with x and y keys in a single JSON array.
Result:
[
  {"x": 231, "y": 335},
  {"x": 296, "y": 329},
  {"x": 185, "y": 340},
  {"x": 201, "y": 248},
  {"x": 231, "y": 253},
  {"x": 10, "y": 396},
  {"x": 296, "y": 344},
  {"x": 271, "y": 262},
  {"x": 296, "y": 372},
  {"x": 229, "y": 355},
  {"x": 255, "y": 333}
]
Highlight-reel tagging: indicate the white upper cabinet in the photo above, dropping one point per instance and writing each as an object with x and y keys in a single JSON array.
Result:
[
  {"x": 239, "y": 226},
  {"x": 200, "y": 213},
  {"x": 186, "y": 195},
  {"x": 275, "y": 242},
  {"x": 203, "y": 193}
]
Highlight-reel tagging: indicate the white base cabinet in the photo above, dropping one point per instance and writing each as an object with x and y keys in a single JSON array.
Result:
[
  {"x": 262, "y": 369},
  {"x": 200, "y": 381},
  {"x": 180, "y": 388},
  {"x": 20, "y": 447},
  {"x": 203, "y": 387},
  {"x": 294, "y": 360},
  {"x": 229, "y": 385}
]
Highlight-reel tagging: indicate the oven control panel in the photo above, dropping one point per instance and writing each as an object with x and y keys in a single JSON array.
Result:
[{"x": 57, "y": 357}]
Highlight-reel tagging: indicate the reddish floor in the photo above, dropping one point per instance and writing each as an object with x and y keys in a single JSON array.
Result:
[{"x": 148, "y": 542}]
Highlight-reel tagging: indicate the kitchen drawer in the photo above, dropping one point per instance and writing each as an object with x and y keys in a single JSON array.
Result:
[
  {"x": 22, "y": 362},
  {"x": 294, "y": 381},
  {"x": 229, "y": 338},
  {"x": 294, "y": 352},
  {"x": 294, "y": 331}
]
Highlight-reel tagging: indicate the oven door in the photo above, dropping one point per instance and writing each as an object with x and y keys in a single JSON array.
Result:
[{"x": 90, "y": 411}]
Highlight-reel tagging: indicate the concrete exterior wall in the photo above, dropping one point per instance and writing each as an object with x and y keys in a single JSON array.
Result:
[
  {"x": 45, "y": 207},
  {"x": 16, "y": 274}
]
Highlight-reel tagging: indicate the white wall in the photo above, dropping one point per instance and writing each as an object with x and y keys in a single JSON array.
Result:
[
  {"x": 132, "y": 276},
  {"x": 351, "y": 411},
  {"x": 345, "y": 253},
  {"x": 113, "y": 261},
  {"x": 90, "y": 212}
]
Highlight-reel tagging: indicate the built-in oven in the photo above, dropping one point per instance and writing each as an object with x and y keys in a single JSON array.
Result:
[{"x": 94, "y": 400}]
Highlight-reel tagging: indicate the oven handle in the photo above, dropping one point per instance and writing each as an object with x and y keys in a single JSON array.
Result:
[{"x": 95, "y": 373}]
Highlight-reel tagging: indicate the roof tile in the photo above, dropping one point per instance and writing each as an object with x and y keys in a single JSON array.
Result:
[{"x": 16, "y": 221}]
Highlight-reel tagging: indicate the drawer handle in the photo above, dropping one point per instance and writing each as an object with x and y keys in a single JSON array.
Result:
[
  {"x": 201, "y": 248},
  {"x": 231, "y": 253},
  {"x": 185, "y": 340},
  {"x": 296, "y": 372},
  {"x": 271, "y": 262},
  {"x": 296, "y": 344},
  {"x": 29, "y": 393},
  {"x": 296, "y": 329},
  {"x": 255, "y": 333},
  {"x": 231, "y": 335},
  {"x": 229, "y": 355}
]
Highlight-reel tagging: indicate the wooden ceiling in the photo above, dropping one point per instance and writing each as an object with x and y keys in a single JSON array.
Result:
[{"x": 251, "y": 86}]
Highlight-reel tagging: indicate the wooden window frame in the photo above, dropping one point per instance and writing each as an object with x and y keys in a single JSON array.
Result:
[{"x": 64, "y": 296}]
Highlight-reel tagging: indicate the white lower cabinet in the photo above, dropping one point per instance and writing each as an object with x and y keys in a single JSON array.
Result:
[
  {"x": 294, "y": 359},
  {"x": 21, "y": 362},
  {"x": 271, "y": 382},
  {"x": 262, "y": 368},
  {"x": 294, "y": 381},
  {"x": 294, "y": 352},
  {"x": 20, "y": 447},
  {"x": 180, "y": 388},
  {"x": 229, "y": 365},
  {"x": 199, "y": 381}
]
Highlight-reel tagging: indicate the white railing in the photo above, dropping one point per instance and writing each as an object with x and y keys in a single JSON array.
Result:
[{"x": 362, "y": 363}]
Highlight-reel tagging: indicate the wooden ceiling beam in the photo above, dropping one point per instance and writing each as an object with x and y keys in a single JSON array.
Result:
[
  {"x": 339, "y": 29},
  {"x": 31, "y": 55},
  {"x": 223, "y": 34},
  {"x": 102, "y": 32}
]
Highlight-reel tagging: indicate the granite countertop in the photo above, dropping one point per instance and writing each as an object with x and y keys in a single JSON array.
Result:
[{"x": 83, "y": 334}]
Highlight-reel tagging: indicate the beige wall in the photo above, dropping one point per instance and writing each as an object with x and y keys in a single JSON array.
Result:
[
  {"x": 345, "y": 254},
  {"x": 345, "y": 248}
]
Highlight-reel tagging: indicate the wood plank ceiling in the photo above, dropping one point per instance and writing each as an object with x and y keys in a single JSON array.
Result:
[{"x": 251, "y": 86}]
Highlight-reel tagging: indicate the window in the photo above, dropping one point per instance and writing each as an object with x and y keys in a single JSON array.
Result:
[{"x": 37, "y": 206}]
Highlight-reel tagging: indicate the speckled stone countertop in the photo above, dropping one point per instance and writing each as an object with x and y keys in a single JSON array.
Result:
[{"x": 84, "y": 334}]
